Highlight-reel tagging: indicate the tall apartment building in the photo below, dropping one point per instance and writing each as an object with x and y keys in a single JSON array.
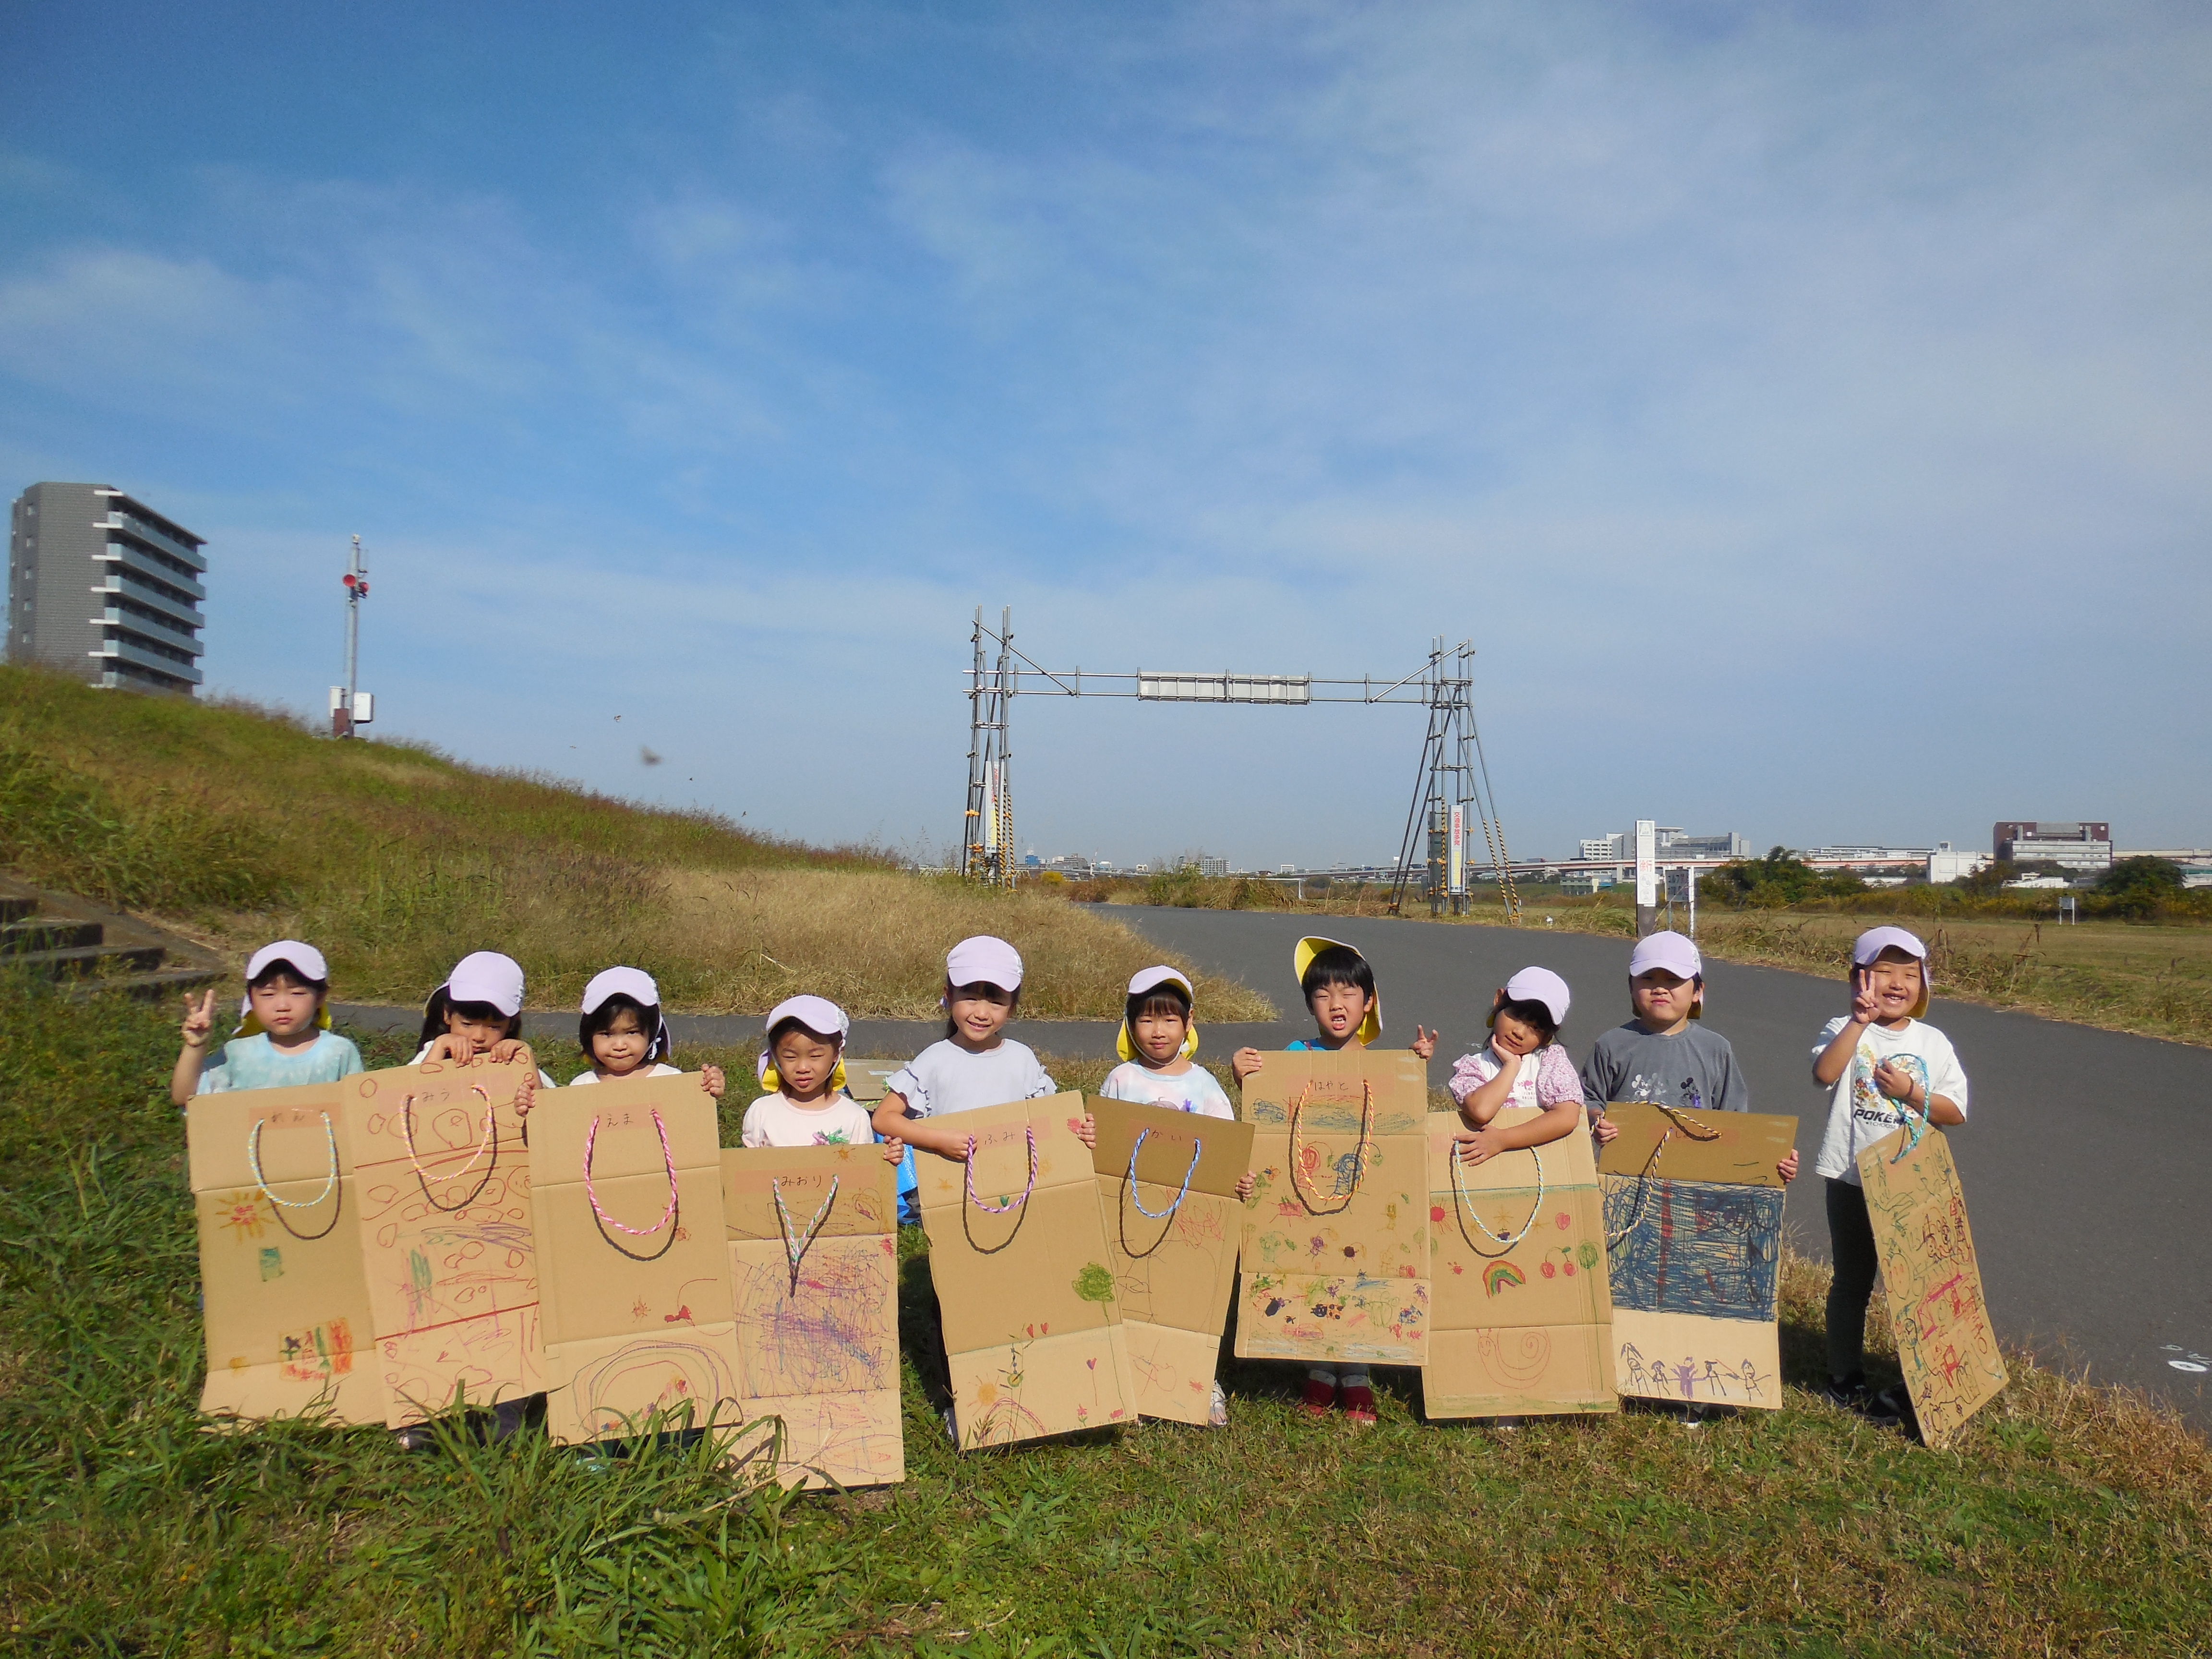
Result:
[
  {"x": 2071, "y": 846},
  {"x": 102, "y": 586}
]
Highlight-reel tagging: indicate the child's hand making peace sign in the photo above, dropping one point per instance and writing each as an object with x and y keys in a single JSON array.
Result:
[{"x": 199, "y": 1020}]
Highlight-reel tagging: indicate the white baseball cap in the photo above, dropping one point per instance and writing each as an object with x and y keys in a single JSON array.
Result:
[
  {"x": 818, "y": 1015},
  {"x": 984, "y": 960},
  {"x": 632, "y": 982},
  {"x": 1151, "y": 979},
  {"x": 486, "y": 977},
  {"x": 304, "y": 959},
  {"x": 1669, "y": 950},
  {"x": 1538, "y": 985}
]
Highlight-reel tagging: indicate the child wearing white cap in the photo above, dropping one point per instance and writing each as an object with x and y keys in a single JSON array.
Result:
[
  {"x": 1159, "y": 1036},
  {"x": 1885, "y": 1068},
  {"x": 1522, "y": 1064},
  {"x": 803, "y": 1061},
  {"x": 1665, "y": 1054},
  {"x": 283, "y": 1038},
  {"x": 977, "y": 1064},
  {"x": 623, "y": 1033},
  {"x": 477, "y": 1014},
  {"x": 1339, "y": 987}
]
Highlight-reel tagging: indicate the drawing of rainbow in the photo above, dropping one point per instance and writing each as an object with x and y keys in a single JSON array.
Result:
[{"x": 1499, "y": 1274}]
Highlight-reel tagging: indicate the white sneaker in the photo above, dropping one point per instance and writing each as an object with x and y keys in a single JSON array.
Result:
[{"x": 1217, "y": 1414}]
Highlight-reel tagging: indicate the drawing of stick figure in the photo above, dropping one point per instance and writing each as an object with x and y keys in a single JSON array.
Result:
[
  {"x": 1635, "y": 1363},
  {"x": 1686, "y": 1375},
  {"x": 1714, "y": 1380},
  {"x": 1751, "y": 1389}
]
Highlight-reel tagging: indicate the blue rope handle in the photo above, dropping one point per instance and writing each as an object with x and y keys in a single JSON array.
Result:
[
  {"x": 1197, "y": 1145},
  {"x": 1915, "y": 1126}
]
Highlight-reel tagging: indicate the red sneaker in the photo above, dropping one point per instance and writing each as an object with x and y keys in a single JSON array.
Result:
[
  {"x": 1320, "y": 1398},
  {"x": 1358, "y": 1403}
]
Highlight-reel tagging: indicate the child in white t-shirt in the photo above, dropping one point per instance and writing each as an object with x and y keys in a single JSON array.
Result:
[
  {"x": 977, "y": 1064},
  {"x": 803, "y": 1061},
  {"x": 623, "y": 1033},
  {"x": 1886, "y": 1068},
  {"x": 283, "y": 1037}
]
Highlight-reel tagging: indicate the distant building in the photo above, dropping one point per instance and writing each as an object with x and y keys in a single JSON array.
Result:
[
  {"x": 2069, "y": 846},
  {"x": 1671, "y": 843},
  {"x": 1585, "y": 881},
  {"x": 103, "y": 588},
  {"x": 1207, "y": 866},
  {"x": 1945, "y": 865},
  {"x": 1601, "y": 848}
]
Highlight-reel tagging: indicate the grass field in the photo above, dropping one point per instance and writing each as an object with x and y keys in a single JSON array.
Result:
[
  {"x": 237, "y": 827},
  {"x": 2068, "y": 1519}
]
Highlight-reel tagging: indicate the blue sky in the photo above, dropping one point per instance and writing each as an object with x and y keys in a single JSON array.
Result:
[{"x": 1805, "y": 409}]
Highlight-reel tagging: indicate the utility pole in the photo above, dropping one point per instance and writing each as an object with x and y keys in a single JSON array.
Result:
[{"x": 350, "y": 706}]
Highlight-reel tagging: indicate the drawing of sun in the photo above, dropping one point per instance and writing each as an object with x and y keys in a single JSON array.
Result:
[{"x": 242, "y": 1215}]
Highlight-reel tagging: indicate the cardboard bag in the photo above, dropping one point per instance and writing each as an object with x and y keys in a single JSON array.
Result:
[
  {"x": 287, "y": 1315},
  {"x": 1931, "y": 1280},
  {"x": 1523, "y": 1318},
  {"x": 1693, "y": 1225},
  {"x": 1033, "y": 1337},
  {"x": 446, "y": 1237},
  {"x": 633, "y": 1258},
  {"x": 1167, "y": 1188},
  {"x": 813, "y": 1235},
  {"x": 1336, "y": 1248}
]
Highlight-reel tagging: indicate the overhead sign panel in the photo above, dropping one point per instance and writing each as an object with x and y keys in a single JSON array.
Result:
[{"x": 1155, "y": 687}]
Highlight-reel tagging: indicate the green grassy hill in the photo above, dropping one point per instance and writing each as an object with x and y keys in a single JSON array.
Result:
[{"x": 237, "y": 825}]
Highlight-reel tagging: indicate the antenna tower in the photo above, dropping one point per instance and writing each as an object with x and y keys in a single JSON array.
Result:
[
  {"x": 1451, "y": 787},
  {"x": 986, "y": 835}
]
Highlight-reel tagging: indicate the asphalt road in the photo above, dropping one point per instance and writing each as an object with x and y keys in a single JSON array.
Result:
[{"x": 2084, "y": 1161}]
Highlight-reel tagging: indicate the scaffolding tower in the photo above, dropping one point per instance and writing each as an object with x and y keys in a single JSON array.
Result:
[
  {"x": 1452, "y": 795},
  {"x": 987, "y": 831}
]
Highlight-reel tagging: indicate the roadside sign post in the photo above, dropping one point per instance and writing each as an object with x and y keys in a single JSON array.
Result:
[{"x": 1647, "y": 876}]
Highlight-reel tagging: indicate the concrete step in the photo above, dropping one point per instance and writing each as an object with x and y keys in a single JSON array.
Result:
[
  {"x": 48, "y": 934},
  {"x": 13, "y": 909},
  {"x": 157, "y": 986},
  {"x": 92, "y": 961}
]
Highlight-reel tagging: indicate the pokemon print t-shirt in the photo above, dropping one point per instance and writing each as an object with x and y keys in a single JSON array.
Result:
[{"x": 1859, "y": 1113}]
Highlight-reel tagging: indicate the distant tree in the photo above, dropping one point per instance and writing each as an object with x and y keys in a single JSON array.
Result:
[
  {"x": 1988, "y": 881},
  {"x": 1779, "y": 879},
  {"x": 2141, "y": 887}
]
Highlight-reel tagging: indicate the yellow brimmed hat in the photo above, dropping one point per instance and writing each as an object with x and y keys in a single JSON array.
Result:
[
  {"x": 1151, "y": 979},
  {"x": 1302, "y": 956}
]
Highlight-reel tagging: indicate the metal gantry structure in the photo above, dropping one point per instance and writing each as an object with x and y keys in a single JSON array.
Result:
[{"x": 1452, "y": 782}]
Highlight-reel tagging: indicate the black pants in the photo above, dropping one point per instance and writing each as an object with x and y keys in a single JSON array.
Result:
[{"x": 1850, "y": 1241}]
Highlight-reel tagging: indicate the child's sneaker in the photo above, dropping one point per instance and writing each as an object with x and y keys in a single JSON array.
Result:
[
  {"x": 1846, "y": 1393},
  {"x": 1216, "y": 1413},
  {"x": 1893, "y": 1405},
  {"x": 1358, "y": 1400},
  {"x": 1320, "y": 1398}
]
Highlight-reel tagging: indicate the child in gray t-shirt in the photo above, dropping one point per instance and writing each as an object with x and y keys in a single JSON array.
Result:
[{"x": 1659, "y": 1056}]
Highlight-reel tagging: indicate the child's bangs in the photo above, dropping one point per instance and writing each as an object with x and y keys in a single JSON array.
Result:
[
  {"x": 281, "y": 969},
  {"x": 1533, "y": 1014},
  {"x": 1162, "y": 1002},
  {"x": 982, "y": 990},
  {"x": 784, "y": 1028},
  {"x": 1339, "y": 964}
]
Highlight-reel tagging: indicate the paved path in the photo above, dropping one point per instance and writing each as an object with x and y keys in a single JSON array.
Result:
[{"x": 2085, "y": 1163}]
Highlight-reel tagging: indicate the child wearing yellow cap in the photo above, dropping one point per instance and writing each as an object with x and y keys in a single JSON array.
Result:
[{"x": 1339, "y": 987}]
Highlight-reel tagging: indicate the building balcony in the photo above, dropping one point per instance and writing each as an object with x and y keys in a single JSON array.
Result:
[
  {"x": 126, "y": 584},
  {"x": 128, "y": 650},
  {"x": 145, "y": 564},
  {"x": 155, "y": 536},
  {"x": 160, "y": 629}
]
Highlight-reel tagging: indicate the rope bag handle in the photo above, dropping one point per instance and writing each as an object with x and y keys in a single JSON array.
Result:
[
  {"x": 1458, "y": 1193},
  {"x": 1197, "y": 1145},
  {"x": 489, "y": 1140},
  {"x": 797, "y": 1254},
  {"x": 1916, "y": 1123},
  {"x": 1359, "y": 1155},
  {"x": 1676, "y": 1118},
  {"x": 261, "y": 1181},
  {"x": 1011, "y": 1204},
  {"x": 605, "y": 1221}
]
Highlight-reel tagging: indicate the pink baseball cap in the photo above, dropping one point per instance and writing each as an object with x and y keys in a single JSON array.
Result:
[
  {"x": 1539, "y": 985},
  {"x": 1669, "y": 950},
  {"x": 984, "y": 960},
  {"x": 818, "y": 1015},
  {"x": 486, "y": 977}
]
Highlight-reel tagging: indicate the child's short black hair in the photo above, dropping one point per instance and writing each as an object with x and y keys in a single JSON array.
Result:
[
  {"x": 1336, "y": 964},
  {"x": 602, "y": 1017},
  {"x": 1530, "y": 1012},
  {"x": 440, "y": 1004},
  {"x": 791, "y": 1022},
  {"x": 1165, "y": 998},
  {"x": 952, "y": 1026},
  {"x": 281, "y": 969}
]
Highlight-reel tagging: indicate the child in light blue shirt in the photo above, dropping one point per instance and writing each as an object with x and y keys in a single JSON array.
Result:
[{"x": 283, "y": 1037}]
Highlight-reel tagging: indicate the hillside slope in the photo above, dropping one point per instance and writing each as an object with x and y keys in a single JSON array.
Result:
[{"x": 235, "y": 826}]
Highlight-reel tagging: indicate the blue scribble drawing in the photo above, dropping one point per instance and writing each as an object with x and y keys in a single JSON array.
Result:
[
  {"x": 833, "y": 1333},
  {"x": 1697, "y": 1247}
]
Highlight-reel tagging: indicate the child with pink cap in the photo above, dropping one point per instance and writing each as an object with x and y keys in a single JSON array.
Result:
[
  {"x": 623, "y": 1033},
  {"x": 1522, "y": 1064},
  {"x": 802, "y": 1061},
  {"x": 283, "y": 1038},
  {"x": 976, "y": 1063},
  {"x": 1665, "y": 1053},
  {"x": 477, "y": 1014},
  {"x": 1884, "y": 1066}
]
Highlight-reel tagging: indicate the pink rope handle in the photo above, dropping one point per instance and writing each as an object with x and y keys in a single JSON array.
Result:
[
  {"x": 668, "y": 1156},
  {"x": 484, "y": 1142},
  {"x": 1013, "y": 1204}
]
